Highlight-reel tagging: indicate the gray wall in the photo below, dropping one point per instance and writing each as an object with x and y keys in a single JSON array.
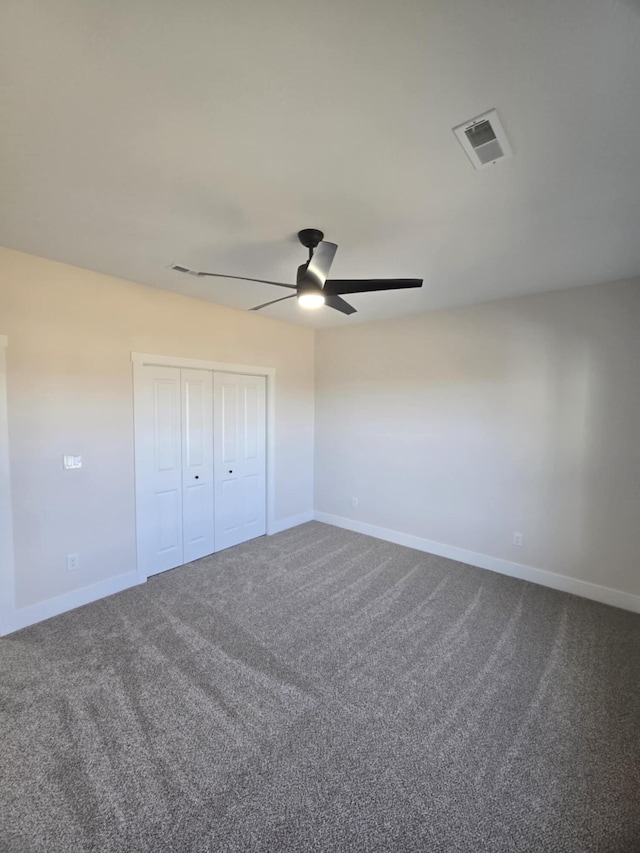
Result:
[{"x": 464, "y": 426}]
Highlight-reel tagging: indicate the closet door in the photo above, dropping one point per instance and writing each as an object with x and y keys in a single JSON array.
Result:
[
  {"x": 159, "y": 469},
  {"x": 197, "y": 464},
  {"x": 239, "y": 458}
]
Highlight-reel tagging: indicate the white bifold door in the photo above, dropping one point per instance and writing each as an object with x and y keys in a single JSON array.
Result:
[
  {"x": 197, "y": 464},
  {"x": 179, "y": 431},
  {"x": 239, "y": 454}
]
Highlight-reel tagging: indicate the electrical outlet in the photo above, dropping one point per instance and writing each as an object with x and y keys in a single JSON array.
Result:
[
  {"x": 73, "y": 562},
  {"x": 354, "y": 503},
  {"x": 70, "y": 462},
  {"x": 518, "y": 539}
]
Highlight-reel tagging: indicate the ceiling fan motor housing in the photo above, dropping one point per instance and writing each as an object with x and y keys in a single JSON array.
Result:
[{"x": 310, "y": 237}]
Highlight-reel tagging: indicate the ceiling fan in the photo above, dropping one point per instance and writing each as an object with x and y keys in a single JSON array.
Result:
[{"x": 313, "y": 289}]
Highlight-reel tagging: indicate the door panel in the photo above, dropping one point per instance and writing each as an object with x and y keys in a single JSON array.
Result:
[
  {"x": 165, "y": 425},
  {"x": 195, "y": 426},
  {"x": 159, "y": 469},
  {"x": 168, "y": 528},
  {"x": 229, "y": 422},
  {"x": 197, "y": 464},
  {"x": 239, "y": 458},
  {"x": 252, "y": 426},
  {"x": 254, "y": 498},
  {"x": 230, "y": 505}
]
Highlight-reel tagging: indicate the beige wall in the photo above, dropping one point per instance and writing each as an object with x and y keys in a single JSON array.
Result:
[
  {"x": 459, "y": 426},
  {"x": 464, "y": 426},
  {"x": 69, "y": 375}
]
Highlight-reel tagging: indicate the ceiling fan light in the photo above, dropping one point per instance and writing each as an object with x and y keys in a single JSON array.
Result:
[{"x": 311, "y": 299}]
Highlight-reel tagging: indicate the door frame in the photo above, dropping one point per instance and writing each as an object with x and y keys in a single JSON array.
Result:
[{"x": 142, "y": 359}]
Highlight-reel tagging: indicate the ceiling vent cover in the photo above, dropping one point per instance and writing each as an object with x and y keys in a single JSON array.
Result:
[{"x": 484, "y": 140}]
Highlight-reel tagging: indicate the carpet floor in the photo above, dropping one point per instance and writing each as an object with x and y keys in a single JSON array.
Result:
[{"x": 320, "y": 690}]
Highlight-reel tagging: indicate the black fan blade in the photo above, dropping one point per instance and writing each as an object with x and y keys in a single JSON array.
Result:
[
  {"x": 339, "y": 304},
  {"x": 369, "y": 285},
  {"x": 199, "y": 274},
  {"x": 273, "y": 302},
  {"x": 319, "y": 265}
]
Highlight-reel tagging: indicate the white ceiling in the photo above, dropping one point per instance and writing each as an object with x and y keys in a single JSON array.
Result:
[{"x": 207, "y": 132}]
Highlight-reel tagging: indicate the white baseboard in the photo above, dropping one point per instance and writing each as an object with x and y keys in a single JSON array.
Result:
[
  {"x": 17, "y": 619},
  {"x": 14, "y": 620},
  {"x": 604, "y": 594},
  {"x": 61, "y": 603},
  {"x": 291, "y": 521}
]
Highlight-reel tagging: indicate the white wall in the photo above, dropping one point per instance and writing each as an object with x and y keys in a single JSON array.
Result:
[
  {"x": 69, "y": 376},
  {"x": 463, "y": 426}
]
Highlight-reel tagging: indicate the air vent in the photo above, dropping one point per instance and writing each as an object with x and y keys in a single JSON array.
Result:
[
  {"x": 186, "y": 270},
  {"x": 484, "y": 140}
]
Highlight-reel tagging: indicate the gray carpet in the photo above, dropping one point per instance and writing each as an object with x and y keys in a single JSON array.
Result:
[{"x": 324, "y": 691}]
